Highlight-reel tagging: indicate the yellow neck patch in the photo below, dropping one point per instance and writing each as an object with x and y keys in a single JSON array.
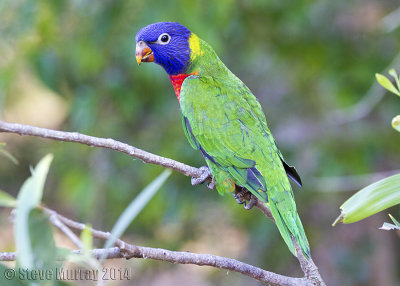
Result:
[{"x": 194, "y": 45}]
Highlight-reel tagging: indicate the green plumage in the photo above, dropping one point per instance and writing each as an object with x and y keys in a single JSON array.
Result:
[{"x": 223, "y": 119}]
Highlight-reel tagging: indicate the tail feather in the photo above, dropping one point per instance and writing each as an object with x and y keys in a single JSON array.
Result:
[
  {"x": 287, "y": 221},
  {"x": 289, "y": 225}
]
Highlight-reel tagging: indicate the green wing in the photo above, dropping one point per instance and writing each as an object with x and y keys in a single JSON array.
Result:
[
  {"x": 259, "y": 114},
  {"x": 226, "y": 123},
  {"x": 227, "y": 134}
]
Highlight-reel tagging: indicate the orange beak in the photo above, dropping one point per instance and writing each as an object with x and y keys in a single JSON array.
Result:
[{"x": 143, "y": 53}]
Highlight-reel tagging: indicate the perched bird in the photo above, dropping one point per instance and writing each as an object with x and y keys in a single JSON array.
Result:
[{"x": 223, "y": 119}]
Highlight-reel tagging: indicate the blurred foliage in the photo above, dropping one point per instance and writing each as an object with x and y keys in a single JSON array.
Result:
[
  {"x": 379, "y": 195},
  {"x": 70, "y": 65},
  {"x": 135, "y": 207},
  {"x": 34, "y": 237},
  {"x": 32, "y": 231},
  {"x": 386, "y": 83},
  {"x": 7, "y": 154}
]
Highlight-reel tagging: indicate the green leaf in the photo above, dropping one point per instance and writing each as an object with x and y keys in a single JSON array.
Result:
[
  {"x": 7, "y": 154},
  {"x": 84, "y": 260},
  {"x": 396, "y": 123},
  {"x": 394, "y": 74},
  {"x": 394, "y": 220},
  {"x": 386, "y": 83},
  {"x": 87, "y": 258},
  {"x": 62, "y": 253},
  {"x": 8, "y": 276},
  {"x": 6, "y": 200},
  {"x": 135, "y": 207},
  {"x": 29, "y": 197},
  {"x": 87, "y": 239},
  {"x": 371, "y": 199},
  {"x": 42, "y": 240}
]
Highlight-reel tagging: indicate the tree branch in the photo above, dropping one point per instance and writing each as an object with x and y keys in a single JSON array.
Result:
[
  {"x": 123, "y": 249},
  {"x": 180, "y": 257},
  {"x": 108, "y": 143},
  {"x": 307, "y": 265},
  {"x": 62, "y": 227},
  {"x": 128, "y": 251}
]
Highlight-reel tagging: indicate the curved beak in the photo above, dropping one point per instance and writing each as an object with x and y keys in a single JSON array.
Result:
[{"x": 143, "y": 53}]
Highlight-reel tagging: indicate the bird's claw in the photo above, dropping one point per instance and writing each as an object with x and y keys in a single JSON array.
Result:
[
  {"x": 211, "y": 184},
  {"x": 205, "y": 175},
  {"x": 242, "y": 196},
  {"x": 251, "y": 204},
  {"x": 239, "y": 199}
]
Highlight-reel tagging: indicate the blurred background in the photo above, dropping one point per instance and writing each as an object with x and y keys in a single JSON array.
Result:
[{"x": 70, "y": 65}]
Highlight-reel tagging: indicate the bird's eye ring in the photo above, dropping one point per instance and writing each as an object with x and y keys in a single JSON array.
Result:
[{"x": 164, "y": 39}]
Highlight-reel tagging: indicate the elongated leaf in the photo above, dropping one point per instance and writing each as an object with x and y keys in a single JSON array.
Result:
[
  {"x": 8, "y": 276},
  {"x": 29, "y": 197},
  {"x": 42, "y": 240},
  {"x": 370, "y": 200},
  {"x": 135, "y": 207},
  {"x": 6, "y": 200},
  {"x": 394, "y": 220},
  {"x": 386, "y": 83},
  {"x": 87, "y": 239},
  {"x": 394, "y": 74},
  {"x": 396, "y": 123},
  {"x": 9, "y": 156}
]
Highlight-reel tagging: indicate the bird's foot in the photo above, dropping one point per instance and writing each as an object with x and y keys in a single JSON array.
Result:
[
  {"x": 244, "y": 197},
  {"x": 205, "y": 176},
  {"x": 211, "y": 184},
  {"x": 252, "y": 202}
]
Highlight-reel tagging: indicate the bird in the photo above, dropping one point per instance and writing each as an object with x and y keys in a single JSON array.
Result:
[{"x": 224, "y": 121}]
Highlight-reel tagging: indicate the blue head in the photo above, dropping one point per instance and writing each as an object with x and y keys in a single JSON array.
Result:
[{"x": 165, "y": 43}]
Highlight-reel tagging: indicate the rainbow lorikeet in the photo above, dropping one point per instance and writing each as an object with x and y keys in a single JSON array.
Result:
[{"x": 223, "y": 119}]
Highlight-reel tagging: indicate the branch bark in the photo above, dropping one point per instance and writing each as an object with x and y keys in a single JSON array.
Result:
[
  {"x": 108, "y": 143},
  {"x": 126, "y": 250},
  {"x": 179, "y": 257}
]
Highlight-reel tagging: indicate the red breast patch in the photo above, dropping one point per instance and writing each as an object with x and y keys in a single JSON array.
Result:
[{"x": 177, "y": 81}]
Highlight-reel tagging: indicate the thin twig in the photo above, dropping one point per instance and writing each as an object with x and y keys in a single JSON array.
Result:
[
  {"x": 68, "y": 232},
  {"x": 112, "y": 253},
  {"x": 264, "y": 209},
  {"x": 308, "y": 266},
  {"x": 8, "y": 256},
  {"x": 100, "y": 142}
]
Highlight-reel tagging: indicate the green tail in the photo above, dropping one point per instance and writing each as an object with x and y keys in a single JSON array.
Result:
[
  {"x": 289, "y": 225},
  {"x": 286, "y": 217}
]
